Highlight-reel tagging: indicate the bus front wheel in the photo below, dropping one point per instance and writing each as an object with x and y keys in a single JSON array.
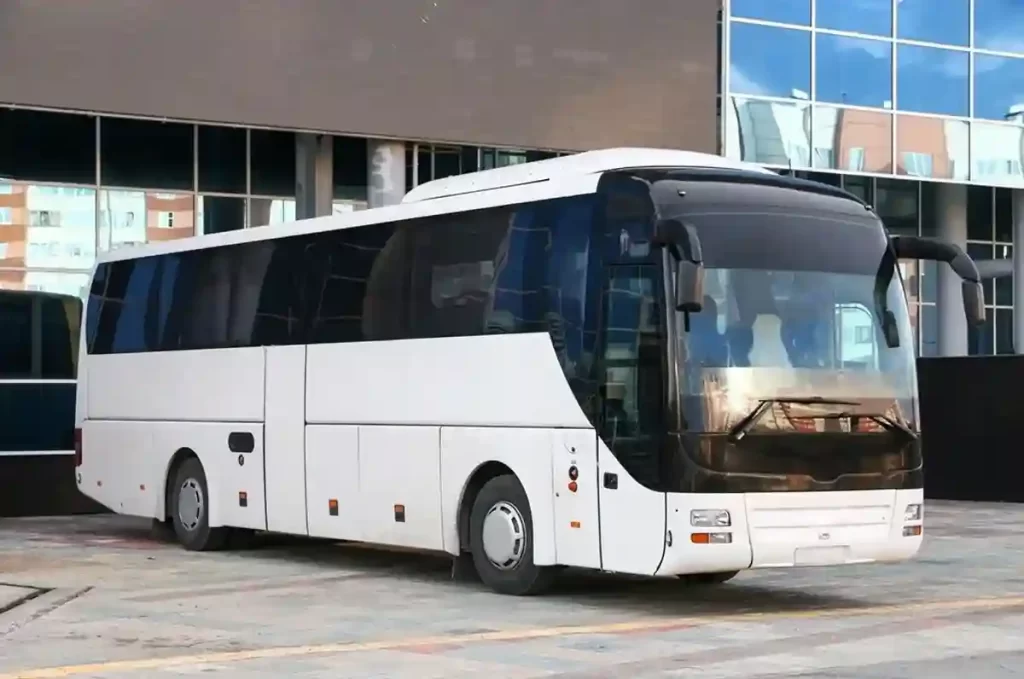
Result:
[
  {"x": 501, "y": 539},
  {"x": 189, "y": 508}
]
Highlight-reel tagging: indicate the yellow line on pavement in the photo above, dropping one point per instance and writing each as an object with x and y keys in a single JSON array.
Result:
[{"x": 651, "y": 624}]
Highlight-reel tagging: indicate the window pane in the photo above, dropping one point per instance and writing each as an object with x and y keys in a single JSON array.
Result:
[
  {"x": 897, "y": 205},
  {"x": 941, "y": 21},
  {"x": 854, "y": 71},
  {"x": 56, "y": 282},
  {"x": 783, "y": 11},
  {"x": 1004, "y": 331},
  {"x": 872, "y": 17},
  {"x": 929, "y": 330},
  {"x": 998, "y": 84},
  {"x": 852, "y": 139},
  {"x": 770, "y": 61},
  {"x": 981, "y": 340},
  {"x": 978, "y": 252},
  {"x": 266, "y": 211},
  {"x": 222, "y": 159},
  {"x": 351, "y": 173},
  {"x": 1004, "y": 284},
  {"x": 1004, "y": 215},
  {"x": 218, "y": 214},
  {"x": 273, "y": 162},
  {"x": 47, "y": 147},
  {"x": 996, "y": 153},
  {"x": 40, "y": 338},
  {"x": 932, "y": 147},
  {"x": 768, "y": 132},
  {"x": 862, "y": 187},
  {"x": 47, "y": 226},
  {"x": 997, "y": 25},
  {"x": 133, "y": 217},
  {"x": 145, "y": 154},
  {"x": 979, "y": 213},
  {"x": 931, "y": 80}
]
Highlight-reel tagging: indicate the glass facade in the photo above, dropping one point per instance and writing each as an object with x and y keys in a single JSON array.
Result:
[
  {"x": 74, "y": 185},
  {"x": 881, "y": 96}
]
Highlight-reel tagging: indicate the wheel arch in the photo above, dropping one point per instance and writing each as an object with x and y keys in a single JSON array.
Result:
[
  {"x": 480, "y": 476},
  {"x": 176, "y": 461}
]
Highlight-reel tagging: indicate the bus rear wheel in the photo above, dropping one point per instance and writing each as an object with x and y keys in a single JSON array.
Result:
[
  {"x": 189, "y": 508},
  {"x": 708, "y": 578},
  {"x": 501, "y": 539}
]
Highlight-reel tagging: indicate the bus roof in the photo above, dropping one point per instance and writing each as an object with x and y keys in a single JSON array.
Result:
[
  {"x": 565, "y": 176},
  {"x": 588, "y": 162}
]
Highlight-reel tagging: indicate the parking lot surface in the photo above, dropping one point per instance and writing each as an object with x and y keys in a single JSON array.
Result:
[{"x": 100, "y": 597}]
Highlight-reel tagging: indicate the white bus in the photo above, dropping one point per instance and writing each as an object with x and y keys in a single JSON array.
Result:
[{"x": 629, "y": 360}]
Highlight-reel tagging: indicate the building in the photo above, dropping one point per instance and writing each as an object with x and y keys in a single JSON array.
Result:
[
  {"x": 915, "y": 105},
  {"x": 135, "y": 121}
]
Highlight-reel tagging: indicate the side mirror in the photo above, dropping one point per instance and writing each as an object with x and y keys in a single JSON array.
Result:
[
  {"x": 974, "y": 302},
  {"x": 684, "y": 245},
  {"x": 916, "y": 247},
  {"x": 689, "y": 290}
]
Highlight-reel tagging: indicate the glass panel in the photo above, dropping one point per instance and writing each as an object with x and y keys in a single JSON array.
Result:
[
  {"x": 1004, "y": 284},
  {"x": 997, "y": 25},
  {"x": 979, "y": 213},
  {"x": 997, "y": 153},
  {"x": 221, "y": 159},
  {"x": 929, "y": 330},
  {"x": 48, "y": 147},
  {"x": 448, "y": 161},
  {"x": 862, "y": 187},
  {"x": 998, "y": 85},
  {"x": 852, "y": 139},
  {"x": 47, "y": 227},
  {"x": 265, "y": 211},
  {"x": 873, "y": 17},
  {"x": 783, "y": 11},
  {"x": 981, "y": 341},
  {"x": 932, "y": 147},
  {"x": 218, "y": 214},
  {"x": 854, "y": 71},
  {"x": 146, "y": 154},
  {"x": 910, "y": 269},
  {"x": 770, "y": 61},
  {"x": 272, "y": 155},
  {"x": 133, "y": 217},
  {"x": 768, "y": 132},
  {"x": 897, "y": 205},
  {"x": 941, "y": 21},
  {"x": 1004, "y": 215},
  {"x": 1004, "y": 331},
  {"x": 351, "y": 172},
  {"x": 931, "y": 80}
]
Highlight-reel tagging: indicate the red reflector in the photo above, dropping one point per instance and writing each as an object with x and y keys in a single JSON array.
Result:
[{"x": 78, "y": 447}]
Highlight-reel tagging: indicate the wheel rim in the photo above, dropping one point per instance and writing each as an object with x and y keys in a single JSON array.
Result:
[
  {"x": 190, "y": 504},
  {"x": 504, "y": 536}
]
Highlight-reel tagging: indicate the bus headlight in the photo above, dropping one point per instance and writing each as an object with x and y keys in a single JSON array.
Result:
[
  {"x": 710, "y": 518},
  {"x": 912, "y": 513}
]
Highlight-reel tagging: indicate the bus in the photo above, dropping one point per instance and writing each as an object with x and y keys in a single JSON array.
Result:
[{"x": 639, "y": 361}]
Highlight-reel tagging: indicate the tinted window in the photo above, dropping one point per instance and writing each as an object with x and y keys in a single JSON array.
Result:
[
  {"x": 38, "y": 336},
  {"x": 872, "y": 17},
  {"x": 770, "y": 61},
  {"x": 855, "y": 71},
  {"x": 997, "y": 25},
  {"x": 940, "y": 21},
  {"x": 932, "y": 80}
]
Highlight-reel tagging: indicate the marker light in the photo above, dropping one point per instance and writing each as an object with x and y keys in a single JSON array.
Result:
[{"x": 710, "y": 518}]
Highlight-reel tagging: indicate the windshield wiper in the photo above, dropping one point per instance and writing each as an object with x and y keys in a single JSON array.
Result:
[{"x": 743, "y": 427}]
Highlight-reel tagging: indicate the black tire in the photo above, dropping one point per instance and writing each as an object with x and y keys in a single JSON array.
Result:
[
  {"x": 524, "y": 578},
  {"x": 196, "y": 536},
  {"x": 709, "y": 578}
]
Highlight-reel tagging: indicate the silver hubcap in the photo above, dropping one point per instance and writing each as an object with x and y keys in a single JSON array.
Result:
[
  {"x": 190, "y": 504},
  {"x": 504, "y": 536}
]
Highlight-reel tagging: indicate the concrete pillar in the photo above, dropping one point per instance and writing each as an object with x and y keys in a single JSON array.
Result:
[
  {"x": 1018, "y": 271},
  {"x": 951, "y": 214},
  {"x": 314, "y": 175},
  {"x": 385, "y": 164}
]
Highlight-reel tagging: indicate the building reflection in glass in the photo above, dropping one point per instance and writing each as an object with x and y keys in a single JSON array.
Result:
[
  {"x": 855, "y": 140},
  {"x": 136, "y": 217}
]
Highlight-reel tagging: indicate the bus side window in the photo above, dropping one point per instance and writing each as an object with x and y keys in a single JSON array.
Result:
[{"x": 16, "y": 338}]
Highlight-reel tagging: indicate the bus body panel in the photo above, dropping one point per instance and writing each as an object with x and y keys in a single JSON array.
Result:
[
  {"x": 632, "y": 519},
  {"x": 576, "y": 514},
  {"x": 489, "y": 380},
  {"x": 333, "y": 505},
  {"x": 208, "y": 385},
  {"x": 685, "y": 556},
  {"x": 285, "y": 431}
]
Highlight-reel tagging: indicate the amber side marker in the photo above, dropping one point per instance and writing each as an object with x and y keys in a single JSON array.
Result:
[{"x": 332, "y": 507}]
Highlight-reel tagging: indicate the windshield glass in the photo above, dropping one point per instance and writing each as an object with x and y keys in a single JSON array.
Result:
[{"x": 796, "y": 291}]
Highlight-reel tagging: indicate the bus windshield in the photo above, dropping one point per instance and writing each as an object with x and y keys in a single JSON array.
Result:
[{"x": 791, "y": 312}]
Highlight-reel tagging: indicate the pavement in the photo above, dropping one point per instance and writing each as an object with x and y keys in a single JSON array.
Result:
[{"x": 99, "y": 597}]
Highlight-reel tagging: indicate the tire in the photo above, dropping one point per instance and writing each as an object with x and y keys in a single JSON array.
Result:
[
  {"x": 709, "y": 578},
  {"x": 191, "y": 496},
  {"x": 504, "y": 497}
]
